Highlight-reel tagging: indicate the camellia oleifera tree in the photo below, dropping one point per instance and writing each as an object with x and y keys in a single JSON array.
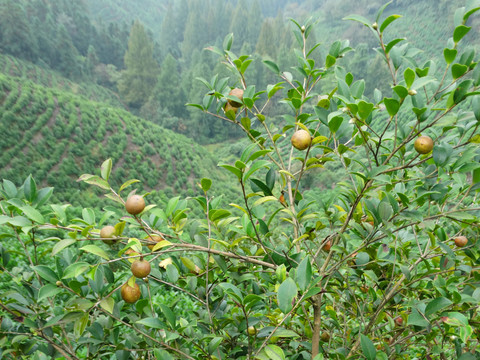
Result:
[{"x": 382, "y": 266}]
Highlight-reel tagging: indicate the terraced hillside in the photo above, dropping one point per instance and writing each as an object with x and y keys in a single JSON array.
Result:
[
  {"x": 56, "y": 136},
  {"x": 15, "y": 67}
]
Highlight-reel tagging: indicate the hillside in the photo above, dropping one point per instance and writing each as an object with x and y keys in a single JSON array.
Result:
[
  {"x": 56, "y": 136},
  {"x": 43, "y": 76}
]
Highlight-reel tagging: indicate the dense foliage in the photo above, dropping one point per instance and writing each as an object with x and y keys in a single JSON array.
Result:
[
  {"x": 87, "y": 40},
  {"x": 383, "y": 264}
]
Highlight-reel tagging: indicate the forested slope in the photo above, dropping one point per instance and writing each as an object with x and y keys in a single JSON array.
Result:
[{"x": 56, "y": 136}]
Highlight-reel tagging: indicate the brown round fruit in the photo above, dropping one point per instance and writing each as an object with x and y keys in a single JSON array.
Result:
[
  {"x": 399, "y": 321},
  {"x": 156, "y": 239},
  {"x": 135, "y": 204},
  {"x": 130, "y": 293},
  {"x": 106, "y": 233},
  {"x": 237, "y": 93},
  {"x": 327, "y": 246},
  {"x": 141, "y": 268},
  {"x": 423, "y": 144},
  {"x": 229, "y": 107},
  {"x": 301, "y": 139},
  {"x": 461, "y": 241},
  {"x": 251, "y": 330},
  {"x": 325, "y": 336}
]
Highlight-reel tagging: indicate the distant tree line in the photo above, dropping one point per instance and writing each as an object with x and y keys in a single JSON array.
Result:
[{"x": 155, "y": 65}]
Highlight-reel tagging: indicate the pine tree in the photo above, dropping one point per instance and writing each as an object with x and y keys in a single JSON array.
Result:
[
  {"x": 67, "y": 54},
  {"x": 139, "y": 77},
  {"x": 239, "y": 25},
  {"x": 168, "y": 89}
]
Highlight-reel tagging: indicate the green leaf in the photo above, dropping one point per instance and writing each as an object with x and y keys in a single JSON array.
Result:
[
  {"x": 304, "y": 273},
  {"x": 459, "y": 32},
  {"x": 217, "y": 214},
  {"x": 458, "y": 70},
  {"x": 20, "y": 221},
  {"x": 368, "y": 348},
  {"x": 206, "y": 184},
  {"x": 270, "y": 178},
  {"x": 388, "y": 21},
  {"x": 42, "y": 196},
  {"x": 467, "y": 356},
  {"x": 330, "y": 61},
  {"x": 62, "y": 245},
  {"x": 151, "y": 322},
  {"x": 48, "y": 290},
  {"x": 392, "y": 106},
  {"x": 171, "y": 205},
  {"x": 334, "y": 123},
  {"x": 360, "y": 19},
  {"x": 421, "y": 82},
  {"x": 11, "y": 189},
  {"x": 189, "y": 264},
  {"x": 33, "y": 214},
  {"x": 198, "y": 106},
  {"x": 392, "y": 43},
  {"x": 168, "y": 314},
  {"x": 106, "y": 169},
  {"x": 255, "y": 166},
  {"x": 94, "y": 249},
  {"x": 274, "y": 352},
  {"x": 30, "y": 189},
  {"x": 436, "y": 305},
  {"x": 94, "y": 180},
  {"x": 401, "y": 91},
  {"x": 75, "y": 269},
  {"x": 214, "y": 343},
  {"x": 272, "y": 66},
  {"x": 381, "y": 10},
  {"x": 461, "y": 91},
  {"x": 258, "y": 185},
  {"x": 46, "y": 273},
  {"x": 449, "y": 55},
  {"x": 232, "y": 290},
  {"x": 172, "y": 273},
  {"x": 364, "y": 109},
  {"x": 258, "y": 154},
  {"x": 80, "y": 325},
  {"x": 107, "y": 304},
  {"x": 287, "y": 291},
  {"x": 385, "y": 211},
  {"x": 227, "y": 42},
  {"x": 417, "y": 319},
  {"x": 476, "y": 107},
  {"x": 237, "y": 172}
]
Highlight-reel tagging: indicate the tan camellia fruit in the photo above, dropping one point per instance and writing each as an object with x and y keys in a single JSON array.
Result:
[
  {"x": 229, "y": 107},
  {"x": 327, "y": 246},
  {"x": 399, "y": 321},
  {"x": 130, "y": 293},
  {"x": 461, "y": 241},
  {"x": 301, "y": 139},
  {"x": 325, "y": 336},
  {"x": 135, "y": 204},
  {"x": 237, "y": 93},
  {"x": 423, "y": 144},
  {"x": 106, "y": 233},
  {"x": 251, "y": 330},
  {"x": 140, "y": 268},
  {"x": 156, "y": 238}
]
